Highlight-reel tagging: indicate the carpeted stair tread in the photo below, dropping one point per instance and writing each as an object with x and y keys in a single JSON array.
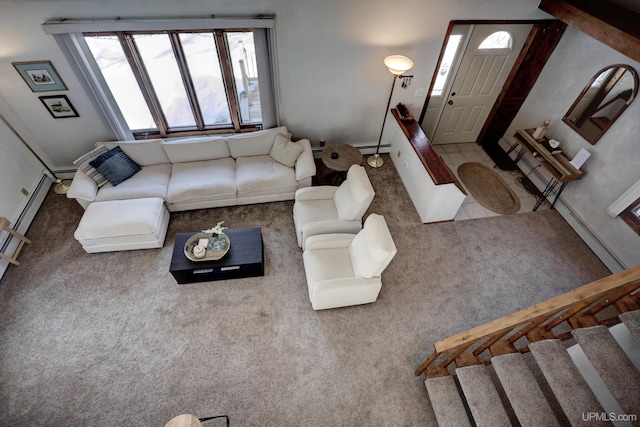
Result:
[
  {"x": 631, "y": 319},
  {"x": 612, "y": 364},
  {"x": 446, "y": 402},
  {"x": 523, "y": 391},
  {"x": 566, "y": 382},
  {"x": 482, "y": 397}
]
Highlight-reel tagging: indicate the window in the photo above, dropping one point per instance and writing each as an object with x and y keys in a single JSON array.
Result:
[
  {"x": 497, "y": 40},
  {"x": 631, "y": 215},
  {"x": 445, "y": 64},
  {"x": 173, "y": 83}
]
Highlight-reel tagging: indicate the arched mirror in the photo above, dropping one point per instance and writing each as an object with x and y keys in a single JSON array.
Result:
[{"x": 602, "y": 101}]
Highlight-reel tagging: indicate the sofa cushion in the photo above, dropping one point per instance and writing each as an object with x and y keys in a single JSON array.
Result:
[
  {"x": 143, "y": 152},
  {"x": 372, "y": 249},
  {"x": 285, "y": 151},
  {"x": 115, "y": 165},
  {"x": 353, "y": 197},
  {"x": 260, "y": 175},
  {"x": 205, "y": 180},
  {"x": 196, "y": 149},
  {"x": 254, "y": 143},
  {"x": 118, "y": 218},
  {"x": 84, "y": 164},
  {"x": 316, "y": 263},
  {"x": 151, "y": 181}
]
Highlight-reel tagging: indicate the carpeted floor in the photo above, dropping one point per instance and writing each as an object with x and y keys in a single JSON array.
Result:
[{"x": 111, "y": 339}]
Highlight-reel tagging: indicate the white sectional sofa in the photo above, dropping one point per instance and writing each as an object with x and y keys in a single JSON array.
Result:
[
  {"x": 197, "y": 173},
  {"x": 178, "y": 175}
]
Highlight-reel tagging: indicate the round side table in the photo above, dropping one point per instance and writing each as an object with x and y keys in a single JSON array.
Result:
[
  {"x": 184, "y": 420},
  {"x": 339, "y": 157}
]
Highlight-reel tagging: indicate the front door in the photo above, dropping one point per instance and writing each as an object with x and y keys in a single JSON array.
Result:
[{"x": 490, "y": 54}]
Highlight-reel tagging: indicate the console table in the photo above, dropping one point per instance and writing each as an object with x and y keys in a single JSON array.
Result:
[
  {"x": 560, "y": 168},
  {"x": 244, "y": 259}
]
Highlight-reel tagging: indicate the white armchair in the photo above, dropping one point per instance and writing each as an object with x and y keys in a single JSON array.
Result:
[
  {"x": 345, "y": 269},
  {"x": 328, "y": 209}
]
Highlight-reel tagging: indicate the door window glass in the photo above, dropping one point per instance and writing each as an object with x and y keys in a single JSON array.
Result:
[
  {"x": 497, "y": 40},
  {"x": 445, "y": 64}
]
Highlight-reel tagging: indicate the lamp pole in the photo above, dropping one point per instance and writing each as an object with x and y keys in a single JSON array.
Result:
[
  {"x": 397, "y": 65},
  {"x": 376, "y": 161}
]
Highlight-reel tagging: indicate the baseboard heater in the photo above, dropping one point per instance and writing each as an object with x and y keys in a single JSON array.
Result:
[
  {"x": 576, "y": 221},
  {"x": 27, "y": 214},
  {"x": 364, "y": 148}
]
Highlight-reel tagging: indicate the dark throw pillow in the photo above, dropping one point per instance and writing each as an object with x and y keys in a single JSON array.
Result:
[{"x": 115, "y": 165}]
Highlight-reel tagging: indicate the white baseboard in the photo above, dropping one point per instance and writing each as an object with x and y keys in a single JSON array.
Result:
[
  {"x": 365, "y": 149},
  {"x": 22, "y": 223}
]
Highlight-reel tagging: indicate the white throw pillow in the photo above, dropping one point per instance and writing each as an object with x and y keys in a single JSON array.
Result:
[
  {"x": 285, "y": 151},
  {"x": 84, "y": 165}
]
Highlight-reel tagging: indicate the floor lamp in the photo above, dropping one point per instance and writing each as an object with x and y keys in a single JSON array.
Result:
[
  {"x": 397, "y": 64},
  {"x": 61, "y": 186}
]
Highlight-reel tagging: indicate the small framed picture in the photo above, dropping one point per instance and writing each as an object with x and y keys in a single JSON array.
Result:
[
  {"x": 59, "y": 106},
  {"x": 41, "y": 76}
]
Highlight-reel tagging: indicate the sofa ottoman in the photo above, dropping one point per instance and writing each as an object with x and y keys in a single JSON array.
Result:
[{"x": 121, "y": 225}]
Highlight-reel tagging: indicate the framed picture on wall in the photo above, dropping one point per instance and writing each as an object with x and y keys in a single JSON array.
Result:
[
  {"x": 59, "y": 106},
  {"x": 41, "y": 76}
]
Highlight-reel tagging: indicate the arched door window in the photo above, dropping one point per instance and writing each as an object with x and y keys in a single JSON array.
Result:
[{"x": 497, "y": 40}]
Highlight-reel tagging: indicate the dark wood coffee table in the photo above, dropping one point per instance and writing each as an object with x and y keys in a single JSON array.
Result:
[{"x": 244, "y": 259}]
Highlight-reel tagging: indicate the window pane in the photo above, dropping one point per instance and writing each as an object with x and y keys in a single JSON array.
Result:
[
  {"x": 161, "y": 65},
  {"x": 497, "y": 40},
  {"x": 245, "y": 74},
  {"x": 445, "y": 65},
  {"x": 110, "y": 57},
  {"x": 202, "y": 59}
]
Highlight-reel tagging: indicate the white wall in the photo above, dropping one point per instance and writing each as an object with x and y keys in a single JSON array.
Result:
[
  {"x": 614, "y": 164},
  {"x": 19, "y": 170},
  {"x": 18, "y": 167},
  {"x": 333, "y": 82}
]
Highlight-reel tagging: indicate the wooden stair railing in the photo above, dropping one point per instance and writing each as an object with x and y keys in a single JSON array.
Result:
[{"x": 598, "y": 303}]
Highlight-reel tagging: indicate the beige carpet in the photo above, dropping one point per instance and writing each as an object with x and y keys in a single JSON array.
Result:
[
  {"x": 488, "y": 188},
  {"x": 111, "y": 339}
]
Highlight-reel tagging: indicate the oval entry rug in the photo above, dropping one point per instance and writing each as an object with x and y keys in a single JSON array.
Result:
[{"x": 488, "y": 188}]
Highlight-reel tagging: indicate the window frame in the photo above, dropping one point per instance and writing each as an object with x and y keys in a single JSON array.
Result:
[
  {"x": 507, "y": 48},
  {"x": 630, "y": 217},
  {"x": 134, "y": 58},
  {"x": 68, "y": 33}
]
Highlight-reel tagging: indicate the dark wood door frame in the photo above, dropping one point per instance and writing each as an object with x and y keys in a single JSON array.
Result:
[{"x": 542, "y": 40}]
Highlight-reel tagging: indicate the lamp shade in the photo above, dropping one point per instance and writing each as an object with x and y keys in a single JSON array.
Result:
[{"x": 398, "y": 64}]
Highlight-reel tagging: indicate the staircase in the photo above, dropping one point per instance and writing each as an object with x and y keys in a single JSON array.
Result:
[{"x": 522, "y": 370}]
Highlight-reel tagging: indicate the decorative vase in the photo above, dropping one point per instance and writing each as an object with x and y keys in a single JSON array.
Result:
[{"x": 217, "y": 242}]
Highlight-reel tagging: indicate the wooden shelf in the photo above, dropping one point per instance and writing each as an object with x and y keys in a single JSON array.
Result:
[
  {"x": 557, "y": 164},
  {"x": 435, "y": 166}
]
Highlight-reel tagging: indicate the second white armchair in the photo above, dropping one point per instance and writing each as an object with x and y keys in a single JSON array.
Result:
[{"x": 345, "y": 269}]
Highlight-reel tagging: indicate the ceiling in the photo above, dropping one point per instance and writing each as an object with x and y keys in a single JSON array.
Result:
[{"x": 613, "y": 22}]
